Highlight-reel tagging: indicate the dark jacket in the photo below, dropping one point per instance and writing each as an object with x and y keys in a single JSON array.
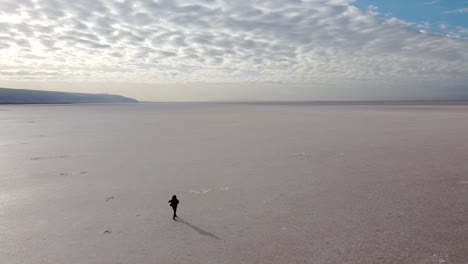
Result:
[{"x": 174, "y": 202}]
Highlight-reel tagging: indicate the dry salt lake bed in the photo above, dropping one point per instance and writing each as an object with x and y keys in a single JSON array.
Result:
[{"x": 258, "y": 183}]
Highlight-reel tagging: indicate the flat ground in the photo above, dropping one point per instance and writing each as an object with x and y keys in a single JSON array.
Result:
[{"x": 257, "y": 184}]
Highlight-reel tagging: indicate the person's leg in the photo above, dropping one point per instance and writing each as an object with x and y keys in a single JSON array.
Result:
[{"x": 174, "y": 210}]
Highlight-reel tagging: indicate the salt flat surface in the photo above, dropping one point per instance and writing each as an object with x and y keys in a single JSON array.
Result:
[{"x": 257, "y": 184}]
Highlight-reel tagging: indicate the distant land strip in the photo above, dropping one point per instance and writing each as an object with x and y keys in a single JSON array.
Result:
[
  {"x": 23, "y": 96},
  {"x": 344, "y": 103}
]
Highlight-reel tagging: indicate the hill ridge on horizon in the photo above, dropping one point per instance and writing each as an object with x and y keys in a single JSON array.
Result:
[{"x": 28, "y": 96}]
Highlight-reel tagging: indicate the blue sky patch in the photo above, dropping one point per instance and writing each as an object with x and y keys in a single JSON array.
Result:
[{"x": 446, "y": 17}]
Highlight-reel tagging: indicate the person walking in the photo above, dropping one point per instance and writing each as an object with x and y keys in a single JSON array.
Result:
[{"x": 173, "y": 203}]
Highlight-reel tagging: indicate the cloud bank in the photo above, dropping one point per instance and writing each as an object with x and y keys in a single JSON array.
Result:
[{"x": 217, "y": 41}]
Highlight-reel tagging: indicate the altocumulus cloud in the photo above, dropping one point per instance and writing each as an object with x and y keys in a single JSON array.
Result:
[{"x": 149, "y": 41}]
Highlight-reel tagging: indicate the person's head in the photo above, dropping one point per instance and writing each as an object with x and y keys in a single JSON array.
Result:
[{"x": 174, "y": 196}]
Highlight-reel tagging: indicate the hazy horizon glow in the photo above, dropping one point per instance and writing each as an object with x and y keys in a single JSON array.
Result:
[{"x": 215, "y": 49}]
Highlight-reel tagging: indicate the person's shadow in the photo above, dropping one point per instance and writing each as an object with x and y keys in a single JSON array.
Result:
[{"x": 196, "y": 228}]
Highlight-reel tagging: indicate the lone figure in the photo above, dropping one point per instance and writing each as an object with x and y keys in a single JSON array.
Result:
[{"x": 173, "y": 203}]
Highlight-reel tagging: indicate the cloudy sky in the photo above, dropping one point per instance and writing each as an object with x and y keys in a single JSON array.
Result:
[{"x": 171, "y": 50}]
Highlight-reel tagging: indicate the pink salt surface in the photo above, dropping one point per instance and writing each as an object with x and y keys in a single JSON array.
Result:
[{"x": 257, "y": 184}]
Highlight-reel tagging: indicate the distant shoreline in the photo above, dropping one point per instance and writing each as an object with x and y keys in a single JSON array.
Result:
[
  {"x": 66, "y": 103},
  {"x": 297, "y": 103},
  {"x": 370, "y": 102}
]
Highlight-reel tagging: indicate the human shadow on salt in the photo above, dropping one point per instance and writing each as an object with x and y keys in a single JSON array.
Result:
[{"x": 196, "y": 228}]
